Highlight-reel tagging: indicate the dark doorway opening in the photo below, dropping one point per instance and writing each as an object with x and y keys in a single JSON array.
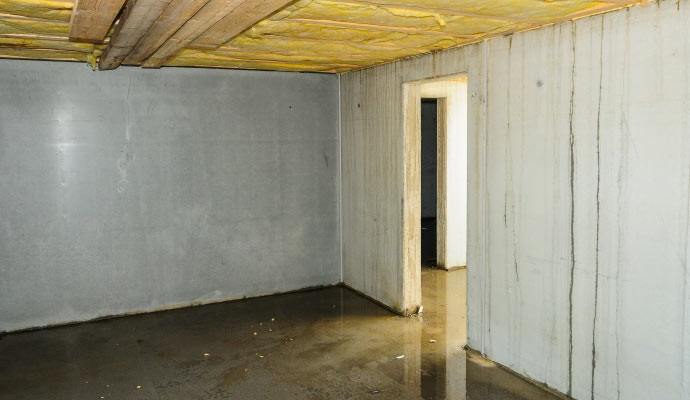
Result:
[{"x": 429, "y": 160}]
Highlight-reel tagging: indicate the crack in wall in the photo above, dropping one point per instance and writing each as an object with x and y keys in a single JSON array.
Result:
[
  {"x": 598, "y": 198},
  {"x": 509, "y": 188},
  {"x": 625, "y": 131},
  {"x": 572, "y": 216}
]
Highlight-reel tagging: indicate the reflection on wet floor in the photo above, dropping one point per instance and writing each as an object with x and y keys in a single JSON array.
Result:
[{"x": 328, "y": 343}]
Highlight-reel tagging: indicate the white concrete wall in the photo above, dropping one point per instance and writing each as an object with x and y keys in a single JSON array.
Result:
[
  {"x": 135, "y": 190},
  {"x": 578, "y": 204}
]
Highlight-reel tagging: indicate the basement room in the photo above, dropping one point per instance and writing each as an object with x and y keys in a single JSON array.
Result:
[{"x": 345, "y": 199}]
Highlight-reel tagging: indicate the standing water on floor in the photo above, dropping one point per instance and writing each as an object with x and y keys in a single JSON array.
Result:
[{"x": 322, "y": 344}]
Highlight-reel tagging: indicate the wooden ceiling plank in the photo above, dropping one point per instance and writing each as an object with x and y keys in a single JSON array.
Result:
[
  {"x": 172, "y": 19},
  {"x": 244, "y": 17},
  {"x": 207, "y": 16},
  {"x": 91, "y": 19},
  {"x": 137, "y": 19}
]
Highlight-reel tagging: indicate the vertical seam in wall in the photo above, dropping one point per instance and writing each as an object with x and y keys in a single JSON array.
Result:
[
  {"x": 485, "y": 216},
  {"x": 340, "y": 175},
  {"x": 598, "y": 202}
]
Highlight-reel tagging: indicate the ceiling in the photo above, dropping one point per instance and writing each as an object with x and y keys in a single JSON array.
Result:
[{"x": 330, "y": 36}]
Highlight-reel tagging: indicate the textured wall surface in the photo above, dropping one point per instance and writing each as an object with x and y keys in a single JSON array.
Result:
[
  {"x": 134, "y": 190},
  {"x": 578, "y": 205}
]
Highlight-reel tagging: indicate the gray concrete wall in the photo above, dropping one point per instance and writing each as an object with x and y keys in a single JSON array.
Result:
[
  {"x": 134, "y": 190},
  {"x": 578, "y": 206}
]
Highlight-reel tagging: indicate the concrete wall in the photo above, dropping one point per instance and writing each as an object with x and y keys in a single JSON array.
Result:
[
  {"x": 134, "y": 190},
  {"x": 578, "y": 204}
]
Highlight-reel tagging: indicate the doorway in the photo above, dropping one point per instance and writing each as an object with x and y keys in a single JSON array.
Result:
[
  {"x": 429, "y": 178},
  {"x": 446, "y": 228}
]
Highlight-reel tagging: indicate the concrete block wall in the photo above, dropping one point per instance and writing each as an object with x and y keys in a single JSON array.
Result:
[{"x": 134, "y": 190}]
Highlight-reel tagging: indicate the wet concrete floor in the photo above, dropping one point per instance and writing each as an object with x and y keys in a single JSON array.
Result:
[{"x": 324, "y": 344}]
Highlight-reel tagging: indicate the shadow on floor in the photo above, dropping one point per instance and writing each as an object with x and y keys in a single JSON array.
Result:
[{"x": 328, "y": 343}]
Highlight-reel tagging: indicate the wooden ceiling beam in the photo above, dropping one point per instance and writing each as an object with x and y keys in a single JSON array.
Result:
[
  {"x": 136, "y": 20},
  {"x": 91, "y": 19},
  {"x": 242, "y": 18},
  {"x": 170, "y": 21},
  {"x": 207, "y": 16}
]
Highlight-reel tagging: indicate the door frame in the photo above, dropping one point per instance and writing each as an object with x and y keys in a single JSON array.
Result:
[{"x": 413, "y": 92}]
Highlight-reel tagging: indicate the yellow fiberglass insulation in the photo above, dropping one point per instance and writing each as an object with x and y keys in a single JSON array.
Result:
[
  {"x": 43, "y": 54},
  {"x": 333, "y": 11},
  {"x": 291, "y": 46},
  {"x": 529, "y": 10},
  {"x": 221, "y": 62},
  {"x": 64, "y": 45},
  {"x": 30, "y": 26},
  {"x": 44, "y": 9},
  {"x": 243, "y": 55},
  {"x": 294, "y": 30},
  {"x": 309, "y": 35}
]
